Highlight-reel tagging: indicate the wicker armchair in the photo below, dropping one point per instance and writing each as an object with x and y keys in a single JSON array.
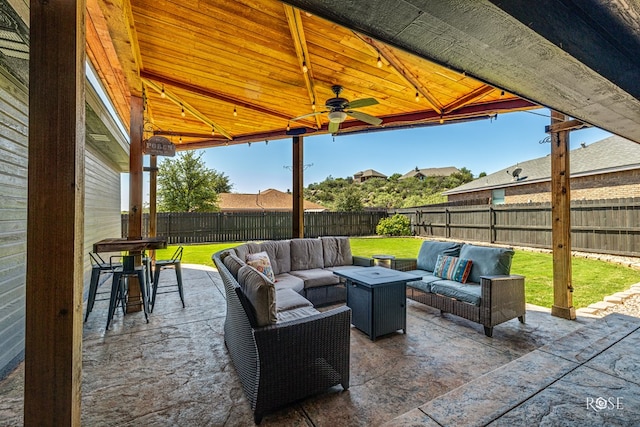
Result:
[
  {"x": 502, "y": 298},
  {"x": 282, "y": 363}
]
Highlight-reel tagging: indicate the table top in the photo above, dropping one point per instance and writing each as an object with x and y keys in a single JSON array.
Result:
[
  {"x": 121, "y": 244},
  {"x": 383, "y": 256},
  {"x": 375, "y": 276}
]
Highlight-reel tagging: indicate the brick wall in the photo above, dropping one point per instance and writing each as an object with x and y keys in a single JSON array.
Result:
[{"x": 603, "y": 186}]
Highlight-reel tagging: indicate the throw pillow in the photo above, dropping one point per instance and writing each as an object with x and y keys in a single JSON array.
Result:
[
  {"x": 260, "y": 261},
  {"x": 452, "y": 268}
]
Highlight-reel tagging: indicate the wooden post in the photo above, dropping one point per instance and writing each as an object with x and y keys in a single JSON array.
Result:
[
  {"x": 55, "y": 218},
  {"x": 153, "y": 195},
  {"x": 298, "y": 186},
  {"x": 561, "y": 221},
  {"x": 134, "y": 301}
]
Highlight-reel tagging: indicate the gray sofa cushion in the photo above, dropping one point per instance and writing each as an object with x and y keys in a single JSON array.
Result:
[
  {"x": 306, "y": 254},
  {"x": 279, "y": 252},
  {"x": 287, "y": 281},
  {"x": 424, "y": 284},
  {"x": 487, "y": 261},
  {"x": 288, "y": 299},
  {"x": 429, "y": 251},
  {"x": 261, "y": 293},
  {"x": 233, "y": 263},
  {"x": 316, "y": 277},
  {"x": 296, "y": 313},
  {"x": 247, "y": 248},
  {"x": 466, "y": 292},
  {"x": 336, "y": 251}
]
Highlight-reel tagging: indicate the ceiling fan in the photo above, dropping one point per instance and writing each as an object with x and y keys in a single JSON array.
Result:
[{"x": 339, "y": 108}]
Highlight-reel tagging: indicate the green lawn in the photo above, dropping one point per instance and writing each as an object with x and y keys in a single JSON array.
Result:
[{"x": 592, "y": 280}]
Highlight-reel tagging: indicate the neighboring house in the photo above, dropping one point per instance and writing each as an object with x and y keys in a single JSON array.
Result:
[
  {"x": 106, "y": 158},
  {"x": 424, "y": 173},
  {"x": 268, "y": 200},
  {"x": 362, "y": 176},
  {"x": 606, "y": 169}
]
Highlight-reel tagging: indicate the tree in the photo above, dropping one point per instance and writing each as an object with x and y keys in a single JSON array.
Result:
[
  {"x": 187, "y": 185},
  {"x": 349, "y": 201}
]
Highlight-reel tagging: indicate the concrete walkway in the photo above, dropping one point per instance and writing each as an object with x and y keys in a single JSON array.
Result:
[{"x": 175, "y": 371}]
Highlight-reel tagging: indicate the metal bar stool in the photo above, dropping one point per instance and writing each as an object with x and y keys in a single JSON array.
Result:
[
  {"x": 174, "y": 263},
  {"x": 98, "y": 266},
  {"x": 119, "y": 289}
]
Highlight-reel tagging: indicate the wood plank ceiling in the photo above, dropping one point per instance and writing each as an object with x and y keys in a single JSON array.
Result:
[{"x": 240, "y": 70}]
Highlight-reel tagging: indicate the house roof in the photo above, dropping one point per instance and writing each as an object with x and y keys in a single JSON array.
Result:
[
  {"x": 611, "y": 154},
  {"x": 370, "y": 173},
  {"x": 268, "y": 200},
  {"x": 445, "y": 171}
]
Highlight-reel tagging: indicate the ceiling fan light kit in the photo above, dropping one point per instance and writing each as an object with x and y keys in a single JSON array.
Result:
[
  {"x": 337, "y": 116},
  {"x": 339, "y": 109}
]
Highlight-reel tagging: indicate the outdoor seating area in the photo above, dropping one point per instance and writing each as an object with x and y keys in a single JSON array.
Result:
[{"x": 175, "y": 370}]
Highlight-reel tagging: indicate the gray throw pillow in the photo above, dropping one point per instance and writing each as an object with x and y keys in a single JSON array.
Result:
[
  {"x": 261, "y": 293},
  {"x": 233, "y": 263}
]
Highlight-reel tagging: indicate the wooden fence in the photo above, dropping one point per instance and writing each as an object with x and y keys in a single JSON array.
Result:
[
  {"x": 196, "y": 227},
  {"x": 602, "y": 226}
]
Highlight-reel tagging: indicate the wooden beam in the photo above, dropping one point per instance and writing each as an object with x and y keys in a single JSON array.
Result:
[
  {"x": 566, "y": 126},
  {"x": 300, "y": 44},
  {"x": 135, "y": 193},
  {"x": 561, "y": 222},
  {"x": 298, "y": 187},
  {"x": 398, "y": 66},
  {"x": 209, "y": 93},
  {"x": 55, "y": 215},
  {"x": 397, "y": 121},
  {"x": 472, "y": 96},
  {"x": 187, "y": 107},
  {"x": 153, "y": 197}
]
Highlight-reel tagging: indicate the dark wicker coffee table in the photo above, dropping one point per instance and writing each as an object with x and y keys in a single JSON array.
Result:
[{"x": 377, "y": 298}]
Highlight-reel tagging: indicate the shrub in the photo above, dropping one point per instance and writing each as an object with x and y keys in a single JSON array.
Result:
[{"x": 397, "y": 225}]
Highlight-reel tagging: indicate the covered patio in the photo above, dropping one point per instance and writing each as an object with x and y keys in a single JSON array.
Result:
[
  {"x": 491, "y": 58},
  {"x": 444, "y": 371}
]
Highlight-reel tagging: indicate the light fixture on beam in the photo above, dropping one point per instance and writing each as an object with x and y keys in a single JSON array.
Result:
[
  {"x": 235, "y": 112},
  {"x": 162, "y": 94},
  {"x": 417, "y": 96},
  {"x": 304, "y": 67},
  {"x": 379, "y": 61},
  {"x": 182, "y": 113}
]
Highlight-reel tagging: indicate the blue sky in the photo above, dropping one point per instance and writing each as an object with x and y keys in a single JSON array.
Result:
[{"x": 480, "y": 146}]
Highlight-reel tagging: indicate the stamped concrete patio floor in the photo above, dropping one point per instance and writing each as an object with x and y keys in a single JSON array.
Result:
[{"x": 175, "y": 371}]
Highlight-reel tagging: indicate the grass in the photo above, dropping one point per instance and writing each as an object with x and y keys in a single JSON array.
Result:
[{"x": 592, "y": 279}]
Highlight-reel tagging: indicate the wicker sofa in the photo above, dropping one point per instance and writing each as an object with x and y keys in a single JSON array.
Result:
[
  {"x": 490, "y": 296},
  {"x": 282, "y": 348}
]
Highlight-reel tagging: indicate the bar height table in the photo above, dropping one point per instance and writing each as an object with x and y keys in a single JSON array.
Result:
[{"x": 135, "y": 248}]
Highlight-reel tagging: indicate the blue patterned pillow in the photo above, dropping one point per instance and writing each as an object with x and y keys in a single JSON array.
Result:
[{"x": 452, "y": 268}]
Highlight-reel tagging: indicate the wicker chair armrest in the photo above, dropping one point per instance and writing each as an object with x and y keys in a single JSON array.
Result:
[
  {"x": 503, "y": 297},
  {"x": 362, "y": 261},
  {"x": 404, "y": 264}
]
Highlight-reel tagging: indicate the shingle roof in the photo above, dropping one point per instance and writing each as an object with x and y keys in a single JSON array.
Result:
[
  {"x": 268, "y": 200},
  {"x": 445, "y": 171},
  {"x": 370, "y": 173},
  {"x": 608, "y": 155}
]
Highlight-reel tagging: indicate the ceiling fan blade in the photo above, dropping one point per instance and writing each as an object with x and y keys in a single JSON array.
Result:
[
  {"x": 364, "y": 117},
  {"x": 363, "y": 102},
  {"x": 304, "y": 116},
  {"x": 333, "y": 127}
]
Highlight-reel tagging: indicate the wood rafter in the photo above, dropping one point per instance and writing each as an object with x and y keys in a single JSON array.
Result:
[
  {"x": 181, "y": 103},
  {"x": 300, "y": 44},
  {"x": 211, "y": 94},
  {"x": 398, "y": 66},
  {"x": 469, "y": 98}
]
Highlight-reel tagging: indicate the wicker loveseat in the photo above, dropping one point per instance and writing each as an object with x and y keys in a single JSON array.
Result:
[
  {"x": 297, "y": 353},
  {"x": 490, "y": 296}
]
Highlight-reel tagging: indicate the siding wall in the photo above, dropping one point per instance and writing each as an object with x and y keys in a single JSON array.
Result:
[
  {"x": 102, "y": 215},
  {"x": 13, "y": 219}
]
